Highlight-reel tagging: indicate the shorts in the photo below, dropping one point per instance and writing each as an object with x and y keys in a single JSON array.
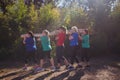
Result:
[
  {"x": 30, "y": 56},
  {"x": 45, "y": 54}
]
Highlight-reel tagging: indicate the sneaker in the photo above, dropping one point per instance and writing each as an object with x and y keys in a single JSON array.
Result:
[
  {"x": 57, "y": 68},
  {"x": 53, "y": 68},
  {"x": 66, "y": 67},
  {"x": 79, "y": 66},
  {"x": 87, "y": 66},
  {"x": 70, "y": 67},
  {"x": 38, "y": 69},
  {"x": 24, "y": 68}
]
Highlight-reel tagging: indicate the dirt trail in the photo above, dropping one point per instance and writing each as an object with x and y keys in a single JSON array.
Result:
[{"x": 102, "y": 68}]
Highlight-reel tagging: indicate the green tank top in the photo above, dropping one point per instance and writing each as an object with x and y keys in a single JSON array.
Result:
[
  {"x": 85, "y": 41},
  {"x": 45, "y": 41}
]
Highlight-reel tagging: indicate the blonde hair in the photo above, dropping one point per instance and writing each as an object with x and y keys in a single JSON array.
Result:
[
  {"x": 75, "y": 28},
  {"x": 46, "y": 32}
]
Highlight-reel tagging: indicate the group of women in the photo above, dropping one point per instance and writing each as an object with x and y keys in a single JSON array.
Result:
[{"x": 74, "y": 37}]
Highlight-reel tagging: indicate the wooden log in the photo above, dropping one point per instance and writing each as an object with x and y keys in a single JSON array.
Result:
[{"x": 53, "y": 33}]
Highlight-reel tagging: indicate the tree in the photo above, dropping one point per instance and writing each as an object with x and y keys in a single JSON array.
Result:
[
  {"x": 48, "y": 15},
  {"x": 5, "y": 3}
]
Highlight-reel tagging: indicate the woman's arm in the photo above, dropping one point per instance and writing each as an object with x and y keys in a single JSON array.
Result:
[
  {"x": 70, "y": 37},
  {"x": 38, "y": 39},
  {"x": 56, "y": 38},
  {"x": 38, "y": 36},
  {"x": 24, "y": 40},
  {"x": 80, "y": 38}
]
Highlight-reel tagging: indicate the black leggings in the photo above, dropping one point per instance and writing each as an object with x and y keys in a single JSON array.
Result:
[
  {"x": 73, "y": 54},
  {"x": 30, "y": 57},
  {"x": 59, "y": 53},
  {"x": 85, "y": 55}
]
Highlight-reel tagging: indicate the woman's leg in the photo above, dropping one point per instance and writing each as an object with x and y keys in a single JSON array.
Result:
[
  {"x": 26, "y": 59},
  {"x": 73, "y": 54},
  {"x": 41, "y": 63},
  {"x": 66, "y": 61},
  {"x": 48, "y": 54},
  {"x": 52, "y": 62},
  {"x": 76, "y": 53},
  {"x": 33, "y": 57},
  {"x": 87, "y": 58},
  {"x": 58, "y": 56}
]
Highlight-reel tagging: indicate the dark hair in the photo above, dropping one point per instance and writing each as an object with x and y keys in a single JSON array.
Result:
[
  {"x": 86, "y": 31},
  {"x": 31, "y": 34},
  {"x": 63, "y": 28}
]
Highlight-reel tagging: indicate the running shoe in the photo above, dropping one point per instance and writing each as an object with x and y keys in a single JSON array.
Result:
[
  {"x": 38, "y": 69},
  {"x": 70, "y": 67}
]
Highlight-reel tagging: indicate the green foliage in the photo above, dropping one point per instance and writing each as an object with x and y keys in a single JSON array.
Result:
[
  {"x": 116, "y": 11},
  {"x": 48, "y": 15},
  {"x": 4, "y": 4},
  {"x": 114, "y": 29},
  {"x": 32, "y": 18},
  {"x": 18, "y": 10},
  {"x": 74, "y": 16},
  {"x": 17, "y": 18}
]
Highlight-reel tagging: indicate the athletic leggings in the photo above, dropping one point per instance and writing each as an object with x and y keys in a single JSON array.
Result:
[
  {"x": 59, "y": 53},
  {"x": 30, "y": 57},
  {"x": 85, "y": 55},
  {"x": 73, "y": 54}
]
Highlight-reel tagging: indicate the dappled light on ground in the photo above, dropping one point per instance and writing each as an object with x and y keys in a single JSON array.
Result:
[{"x": 99, "y": 70}]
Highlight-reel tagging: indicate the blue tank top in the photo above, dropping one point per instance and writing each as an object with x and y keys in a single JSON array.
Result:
[
  {"x": 30, "y": 44},
  {"x": 74, "y": 41}
]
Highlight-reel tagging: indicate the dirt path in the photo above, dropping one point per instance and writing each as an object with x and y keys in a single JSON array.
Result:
[{"x": 101, "y": 69}]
